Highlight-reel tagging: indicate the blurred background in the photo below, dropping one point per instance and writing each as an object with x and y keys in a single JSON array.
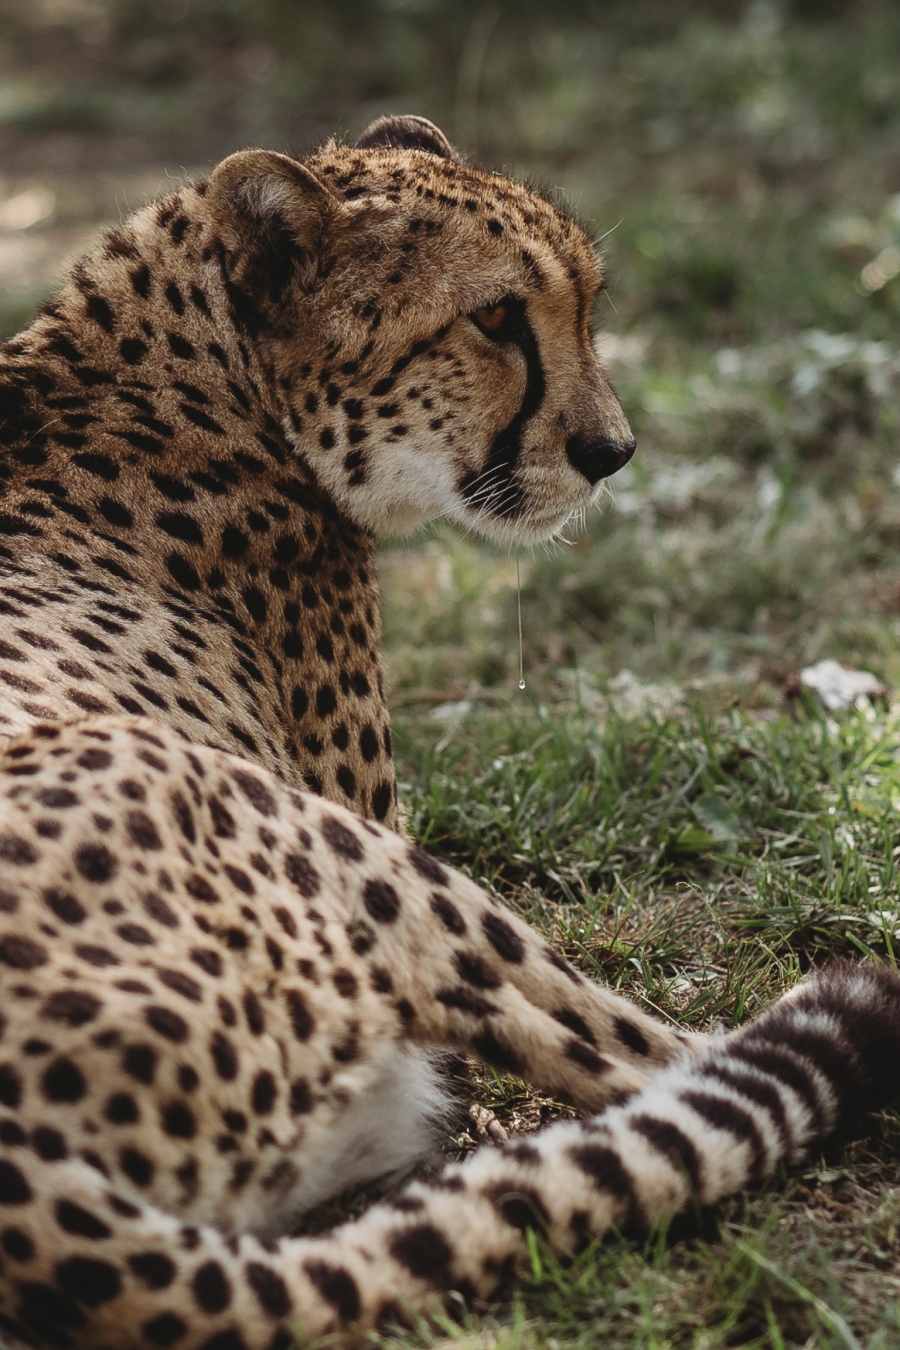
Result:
[{"x": 741, "y": 162}]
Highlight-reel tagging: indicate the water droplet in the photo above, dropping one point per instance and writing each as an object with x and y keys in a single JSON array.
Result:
[{"x": 521, "y": 684}]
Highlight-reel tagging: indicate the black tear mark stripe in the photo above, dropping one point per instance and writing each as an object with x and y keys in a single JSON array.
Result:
[{"x": 494, "y": 488}]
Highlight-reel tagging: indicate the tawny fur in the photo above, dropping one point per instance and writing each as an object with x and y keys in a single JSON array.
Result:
[
  {"x": 234, "y": 395},
  {"x": 220, "y": 994}
]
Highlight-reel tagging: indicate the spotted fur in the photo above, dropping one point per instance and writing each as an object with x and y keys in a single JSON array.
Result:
[
  {"x": 236, "y": 394},
  {"x": 219, "y": 993}
]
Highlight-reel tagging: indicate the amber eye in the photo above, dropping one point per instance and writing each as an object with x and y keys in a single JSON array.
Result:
[{"x": 492, "y": 319}]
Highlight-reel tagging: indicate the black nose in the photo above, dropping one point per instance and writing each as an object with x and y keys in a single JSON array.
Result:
[{"x": 598, "y": 458}]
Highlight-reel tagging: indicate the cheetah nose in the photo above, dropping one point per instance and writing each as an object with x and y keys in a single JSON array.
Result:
[{"x": 598, "y": 457}]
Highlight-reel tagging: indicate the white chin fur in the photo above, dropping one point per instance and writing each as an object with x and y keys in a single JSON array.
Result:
[
  {"x": 387, "y": 1129},
  {"x": 521, "y": 531}
]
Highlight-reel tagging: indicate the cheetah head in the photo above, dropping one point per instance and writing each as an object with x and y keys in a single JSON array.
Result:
[{"x": 428, "y": 326}]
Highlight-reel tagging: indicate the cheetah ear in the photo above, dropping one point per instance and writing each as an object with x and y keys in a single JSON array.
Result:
[
  {"x": 269, "y": 208},
  {"x": 406, "y": 133}
]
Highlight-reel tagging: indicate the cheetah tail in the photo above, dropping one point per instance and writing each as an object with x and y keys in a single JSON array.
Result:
[{"x": 83, "y": 1267}]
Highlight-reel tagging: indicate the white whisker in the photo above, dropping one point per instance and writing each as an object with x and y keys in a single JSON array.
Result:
[{"x": 606, "y": 233}]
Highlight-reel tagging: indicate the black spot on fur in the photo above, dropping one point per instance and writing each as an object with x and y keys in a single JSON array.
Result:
[
  {"x": 72, "y": 1006},
  {"x": 14, "y": 1189},
  {"x": 504, "y": 939},
  {"x": 476, "y": 971},
  {"x": 49, "y": 1144},
  {"x": 302, "y": 1021},
  {"x": 89, "y": 1280},
  {"x": 631, "y": 1036},
  {"x": 65, "y": 906},
  {"x": 382, "y": 797},
  {"x": 269, "y": 1288},
  {"x": 17, "y": 1244},
  {"x": 63, "y": 1081},
  {"x": 17, "y": 851},
  {"x": 73, "y": 1219},
  {"x": 133, "y": 350},
  {"x": 139, "y": 1061},
  {"x": 466, "y": 1000},
  {"x": 182, "y": 572},
  {"x": 493, "y": 1051},
  {"x": 155, "y": 1269},
  {"x": 582, "y": 1054},
  {"x": 428, "y": 868},
  {"x": 264, "y": 1093},
  {"x": 211, "y": 1288},
  {"x": 136, "y": 1166},
  {"x": 164, "y": 1329},
  {"x": 96, "y": 863},
  {"x": 208, "y": 960},
  {"x": 567, "y": 1018},
  {"x": 121, "y": 1109},
  {"x": 424, "y": 1252},
  {"x": 167, "y": 1023},
  {"x": 254, "y": 1014},
  {"x": 520, "y": 1206},
  {"x": 224, "y": 1056},
  {"x": 257, "y": 793},
  {"x": 341, "y": 839},
  {"x": 301, "y": 1099},
  {"x": 22, "y": 953},
  {"x": 337, "y": 1286},
  {"x": 302, "y": 874},
  {"x": 178, "y": 1121},
  {"x": 381, "y": 901},
  {"x": 141, "y": 831},
  {"x": 182, "y": 984}
]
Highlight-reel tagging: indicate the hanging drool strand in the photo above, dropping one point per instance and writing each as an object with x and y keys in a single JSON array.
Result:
[{"x": 519, "y": 608}]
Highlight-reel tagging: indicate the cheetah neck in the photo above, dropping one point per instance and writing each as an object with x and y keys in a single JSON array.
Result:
[{"x": 163, "y": 549}]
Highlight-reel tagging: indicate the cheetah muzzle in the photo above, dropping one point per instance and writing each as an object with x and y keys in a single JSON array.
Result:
[{"x": 223, "y": 974}]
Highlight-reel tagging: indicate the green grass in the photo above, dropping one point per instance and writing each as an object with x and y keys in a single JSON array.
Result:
[
  {"x": 701, "y": 862},
  {"x": 654, "y": 802},
  {"x": 698, "y": 863}
]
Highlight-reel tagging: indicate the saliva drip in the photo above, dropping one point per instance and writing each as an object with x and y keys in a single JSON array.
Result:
[{"x": 519, "y": 608}]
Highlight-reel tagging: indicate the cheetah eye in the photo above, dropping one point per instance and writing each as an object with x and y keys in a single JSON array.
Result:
[{"x": 494, "y": 320}]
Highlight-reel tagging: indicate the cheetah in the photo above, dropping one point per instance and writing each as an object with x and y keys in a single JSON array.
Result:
[
  {"x": 238, "y": 393},
  {"x": 225, "y": 973}
]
